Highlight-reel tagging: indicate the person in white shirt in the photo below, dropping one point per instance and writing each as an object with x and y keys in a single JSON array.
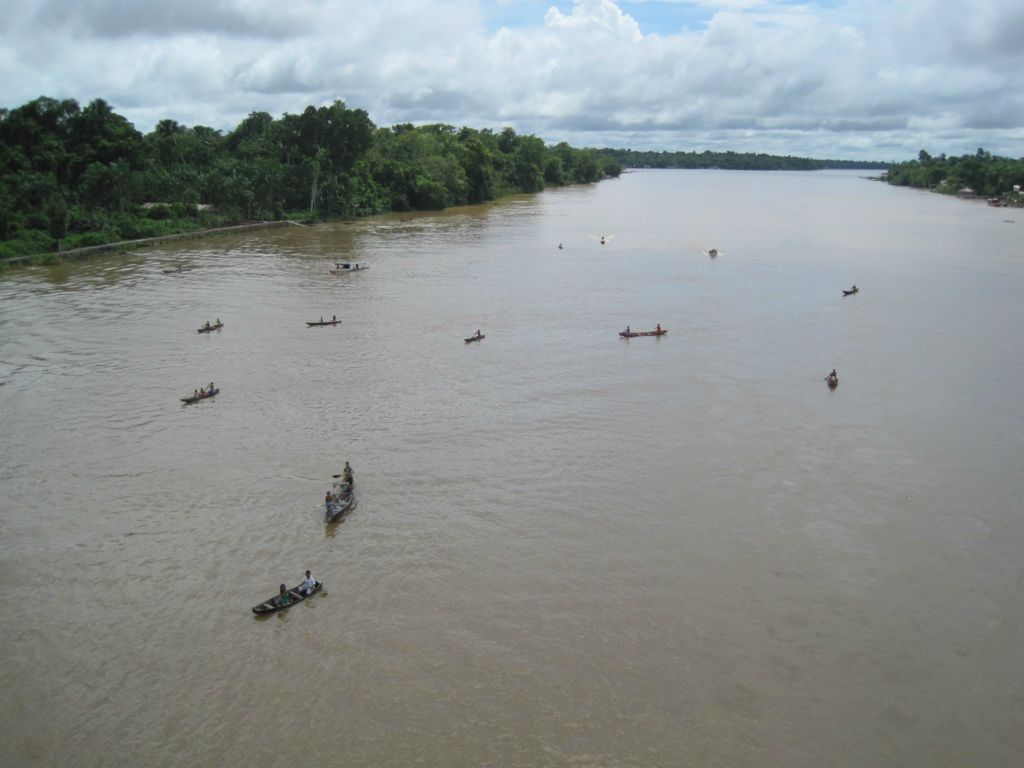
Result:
[{"x": 308, "y": 585}]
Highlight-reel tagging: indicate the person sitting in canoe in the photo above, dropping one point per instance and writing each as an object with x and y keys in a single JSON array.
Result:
[
  {"x": 284, "y": 597},
  {"x": 334, "y": 318},
  {"x": 218, "y": 321},
  {"x": 308, "y": 585},
  {"x": 207, "y": 326},
  {"x": 658, "y": 329},
  {"x": 209, "y": 390},
  {"x": 627, "y": 330}
]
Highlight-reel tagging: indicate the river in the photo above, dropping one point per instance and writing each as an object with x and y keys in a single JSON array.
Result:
[{"x": 570, "y": 549}]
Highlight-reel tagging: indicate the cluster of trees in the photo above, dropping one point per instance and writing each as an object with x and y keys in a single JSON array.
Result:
[
  {"x": 80, "y": 176},
  {"x": 734, "y": 161},
  {"x": 982, "y": 172}
]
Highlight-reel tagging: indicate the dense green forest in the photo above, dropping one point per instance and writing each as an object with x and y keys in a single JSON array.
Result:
[
  {"x": 982, "y": 172},
  {"x": 72, "y": 176},
  {"x": 735, "y": 161}
]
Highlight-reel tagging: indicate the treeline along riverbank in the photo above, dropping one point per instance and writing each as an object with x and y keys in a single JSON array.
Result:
[
  {"x": 76, "y": 177},
  {"x": 982, "y": 174}
]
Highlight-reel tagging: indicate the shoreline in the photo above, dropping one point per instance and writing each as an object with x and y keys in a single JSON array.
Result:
[{"x": 124, "y": 245}]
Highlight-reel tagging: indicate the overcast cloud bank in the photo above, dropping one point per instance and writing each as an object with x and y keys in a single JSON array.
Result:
[{"x": 857, "y": 79}]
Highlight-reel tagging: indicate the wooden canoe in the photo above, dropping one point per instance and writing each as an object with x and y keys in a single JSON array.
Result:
[
  {"x": 476, "y": 338},
  {"x": 197, "y": 398},
  {"x": 322, "y": 322},
  {"x": 337, "y": 509},
  {"x": 273, "y": 604},
  {"x": 634, "y": 334},
  {"x": 216, "y": 327}
]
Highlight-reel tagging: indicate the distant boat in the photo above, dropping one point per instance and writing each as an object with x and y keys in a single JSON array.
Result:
[
  {"x": 349, "y": 266},
  {"x": 476, "y": 337},
  {"x": 832, "y": 380},
  {"x": 208, "y": 328},
  {"x": 850, "y": 292},
  {"x": 294, "y": 597},
  {"x": 176, "y": 271},
  {"x": 628, "y": 334},
  {"x": 202, "y": 396},
  {"x": 312, "y": 323},
  {"x": 712, "y": 252}
]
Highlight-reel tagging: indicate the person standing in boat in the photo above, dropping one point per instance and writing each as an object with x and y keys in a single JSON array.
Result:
[
  {"x": 308, "y": 585},
  {"x": 334, "y": 318},
  {"x": 346, "y": 473},
  {"x": 627, "y": 330},
  {"x": 658, "y": 328}
]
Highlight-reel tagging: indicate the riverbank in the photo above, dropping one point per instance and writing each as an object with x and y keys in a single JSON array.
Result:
[{"x": 125, "y": 245}]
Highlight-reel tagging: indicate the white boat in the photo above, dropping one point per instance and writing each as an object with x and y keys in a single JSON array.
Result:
[{"x": 349, "y": 266}]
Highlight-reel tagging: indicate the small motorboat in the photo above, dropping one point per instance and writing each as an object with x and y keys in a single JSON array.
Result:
[
  {"x": 349, "y": 266},
  {"x": 294, "y": 597},
  {"x": 850, "y": 292},
  {"x": 205, "y": 395},
  {"x": 628, "y": 334},
  {"x": 476, "y": 337},
  {"x": 207, "y": 328},
  {"x": 315, "y": 323}
]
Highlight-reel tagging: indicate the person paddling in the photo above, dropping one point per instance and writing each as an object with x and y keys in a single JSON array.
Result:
[{"x": 284, "y": 597}]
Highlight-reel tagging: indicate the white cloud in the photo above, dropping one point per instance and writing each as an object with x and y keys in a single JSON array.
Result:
[{"x": 859, "y": 78}]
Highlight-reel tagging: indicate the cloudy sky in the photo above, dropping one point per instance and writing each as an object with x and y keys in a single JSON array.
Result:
[{"x": 860, "y": 79}]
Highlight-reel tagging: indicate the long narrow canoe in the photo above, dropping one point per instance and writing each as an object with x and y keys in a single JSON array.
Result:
[
  {"x": 323, "y": 322},
  {"x": 850, "y": 293},
  {"x": 197, "y": 398},
  {"x": 833, "y": 381},
  {"x": 274, "y": 604},
  {"x": 336, "y": 509},
  {"x": 634, "y": 334},
  {"x": 476, "y": 338},
  {"x": 216, "y": 327}
]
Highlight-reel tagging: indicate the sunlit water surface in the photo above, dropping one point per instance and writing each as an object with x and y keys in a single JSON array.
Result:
[{"x": 569, "y": 549}]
